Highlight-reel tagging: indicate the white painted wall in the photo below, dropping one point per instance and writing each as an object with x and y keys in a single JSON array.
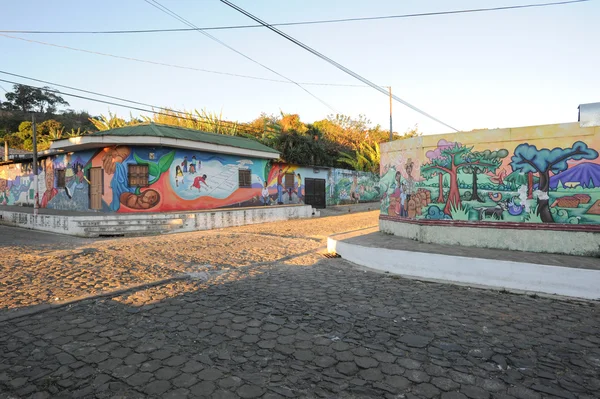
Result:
[
  {"x": 580, "y": 283},
  {"x": 140, "y": 223},
  {"x": 547, "y": 241}
]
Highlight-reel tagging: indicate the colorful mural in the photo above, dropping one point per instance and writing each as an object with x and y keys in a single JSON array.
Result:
[
  {"x": 543, "y": 174},
  {"x": 177, "y": 180},
  {"x": 348, "y": 186}
]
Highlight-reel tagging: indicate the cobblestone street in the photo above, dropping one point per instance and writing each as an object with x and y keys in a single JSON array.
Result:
[{"x": 305, "y": 326}]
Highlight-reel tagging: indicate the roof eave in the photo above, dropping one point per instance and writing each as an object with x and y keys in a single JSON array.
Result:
[{"x": 88, "y": 142}]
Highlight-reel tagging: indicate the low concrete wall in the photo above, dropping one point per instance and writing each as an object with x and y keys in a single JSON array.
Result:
[
  {"x": 556, "y": 241},
  {"x": 146, "y": 223},
  {"x": 579, "y": 283}
]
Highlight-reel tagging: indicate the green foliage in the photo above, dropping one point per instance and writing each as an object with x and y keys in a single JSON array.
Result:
[
  {"x": 533, "y": 216},
  {"x": 29, "y": 99},
  {"x": 366, "y": 158},
  {"x": 461, "y": 212}
]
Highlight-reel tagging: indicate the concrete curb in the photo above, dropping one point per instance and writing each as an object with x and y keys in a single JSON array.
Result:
[{"x": 476, "y": 272}]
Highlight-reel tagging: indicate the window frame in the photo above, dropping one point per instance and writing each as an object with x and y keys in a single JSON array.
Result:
[
  {"x": 242, "y": 174},
  {"x": 134, "y": 178},
  {"x": 291, "y": 177},
  {"x": 61, "y": 174}
]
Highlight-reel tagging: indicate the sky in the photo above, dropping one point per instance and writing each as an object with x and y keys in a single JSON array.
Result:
[{"x": 482, "y": 70}]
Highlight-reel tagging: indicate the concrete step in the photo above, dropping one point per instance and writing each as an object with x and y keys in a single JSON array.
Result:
[
  {"x": 129, "y": 222},
  {"x": 96, "y": 231}
]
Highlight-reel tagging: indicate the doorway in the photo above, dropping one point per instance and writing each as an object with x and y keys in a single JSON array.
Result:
[
  {"x": 314, "y": 193},
  {"x": 96, "y": 188}
]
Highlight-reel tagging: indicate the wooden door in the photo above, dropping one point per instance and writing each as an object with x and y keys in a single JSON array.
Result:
[
  {"x": 96, "y": 187},
  {"x": 314, "y": 192}
]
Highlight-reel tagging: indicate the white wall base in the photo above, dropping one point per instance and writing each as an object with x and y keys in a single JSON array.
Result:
[
  {"x": 95, "y": 225},
  {"x": 547, "y": 241},
  {"x": 579, "y": 283}
]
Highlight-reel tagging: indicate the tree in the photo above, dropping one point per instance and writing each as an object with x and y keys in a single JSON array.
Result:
[
  {"x": 528, "y": 159},
  {"x": 365, "y": 159},
  {"x": 454, "y": 156},
  {"x": 29, "y": 99},
  {"x": 488, "y": 157}
]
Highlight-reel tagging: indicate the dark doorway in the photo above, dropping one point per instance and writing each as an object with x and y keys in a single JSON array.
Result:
[{"x": 314, "y": 193}]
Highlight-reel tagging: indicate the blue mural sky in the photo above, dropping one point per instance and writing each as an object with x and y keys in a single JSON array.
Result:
[{"x": 484, "y": 70}]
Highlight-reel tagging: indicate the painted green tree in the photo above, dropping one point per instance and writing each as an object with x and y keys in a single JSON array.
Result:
[
  {"x": 486, "y": 157},
  {"x": 528, "y": 159},
  {"x": 453, "y": 157}
]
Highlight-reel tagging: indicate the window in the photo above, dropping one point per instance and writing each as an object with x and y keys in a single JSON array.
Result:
[
  {"x": 138, "y": 175},
  {"x": 61, "y": 178},
  {"x": 289, "y": 180},
  {"x": 245, "y": 178}
]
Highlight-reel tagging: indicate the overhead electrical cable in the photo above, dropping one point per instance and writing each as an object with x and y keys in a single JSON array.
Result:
[
  {"x": 173, "y": 113},
  {"x": 174, "y": 65},
  {"x": 332, "y": 62},
  {"x": 325, "y": 21},
  {"x": 166, "y": 10}
]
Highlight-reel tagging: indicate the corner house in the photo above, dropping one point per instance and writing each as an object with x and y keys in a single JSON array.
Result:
[{"x": 159, "y": 168}]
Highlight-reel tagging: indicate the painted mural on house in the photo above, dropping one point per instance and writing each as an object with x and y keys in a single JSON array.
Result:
[
  {"x": 173, "y": 180},
  {"x": 544, "y": 174}
]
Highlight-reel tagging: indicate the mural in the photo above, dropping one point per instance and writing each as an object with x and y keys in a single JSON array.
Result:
[
  {"x": 546, "y": 178},
  {"x": 176, "y": 180},
  {"x": 348, "y": 186}
]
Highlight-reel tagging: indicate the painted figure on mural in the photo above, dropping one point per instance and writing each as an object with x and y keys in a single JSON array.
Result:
[
  {"x": 198, "y": 181},
  {"x": 354, "y": 195},
  {"x": 51, "y": 191},
  {"x": 77, "y": 180},
  {"x": 184, "y": 164},
  {"x": 265, "y": 195},
  {"x": 299, "y": 186},
  {"x": 178, "y": 175},
  {"x": 410, "y": 181},
  {"x": 146, "y": 200},
  {"x": 113, "y": 163},
  {"x": 193, "y": 165},
  {"x": 280, "y": 187}
]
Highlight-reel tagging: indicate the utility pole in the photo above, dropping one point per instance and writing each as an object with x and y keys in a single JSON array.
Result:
[
  {"x": 391, "y": 131},
  {"x": 35, "y": 168}
]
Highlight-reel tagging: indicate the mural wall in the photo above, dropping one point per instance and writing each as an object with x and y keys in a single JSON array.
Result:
[
  {"x": 178, "y": 180},
  {"x": 540, "y": 174}
]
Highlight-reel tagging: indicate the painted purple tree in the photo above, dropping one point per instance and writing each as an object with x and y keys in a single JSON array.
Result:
[
  {"x": 437, "y": 155},
  {"x": 528, "y": 159}
]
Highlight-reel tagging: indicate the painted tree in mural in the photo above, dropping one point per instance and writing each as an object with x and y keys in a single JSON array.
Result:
[
  {"x": 453, "y": 157},
  {"x": 486, "y": 157},
  {"x": 528, "y": 159}
]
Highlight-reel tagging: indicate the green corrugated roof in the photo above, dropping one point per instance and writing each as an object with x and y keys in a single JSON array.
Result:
[{"x": 175, "y": 132}]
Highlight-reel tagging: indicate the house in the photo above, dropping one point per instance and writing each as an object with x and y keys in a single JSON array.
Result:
[{"x": 160, "y": 168}]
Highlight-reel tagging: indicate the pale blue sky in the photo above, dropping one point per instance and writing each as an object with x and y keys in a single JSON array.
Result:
[{"x": 483, "y": 70}]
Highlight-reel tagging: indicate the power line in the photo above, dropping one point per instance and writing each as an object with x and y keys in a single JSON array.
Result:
[
  {"x": 174, "y": 65},
  {"x": 166, "y": 10},
  {"x": 332, "y": 62},
  {"x": 175, "y": 113},
  {"x": 325, "y": 21}
]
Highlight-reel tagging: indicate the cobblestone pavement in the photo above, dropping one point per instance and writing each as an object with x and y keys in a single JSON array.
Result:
[
  {"x": 324, "y": 329},
  {"x": 43, "y": 268}
]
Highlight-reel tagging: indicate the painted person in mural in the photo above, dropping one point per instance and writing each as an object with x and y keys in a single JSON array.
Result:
[
  {"x": 299, "y": 186},
  {"x": 410, "y": 181},
  {"x": 354, "y": 195},
  {"x": 280, "y": 187},
  {"x": 265, "y": 199},
  {"x": 113, "y": 164},
  {"x": 178, "y": 175},
  {"x": 51, "y": 191},
  {"x": 198, "y": 181},
  {"x": 77, "y": 181},
  {"x": 193, "y": 166},
  {"x": 184, "y": 164}
]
